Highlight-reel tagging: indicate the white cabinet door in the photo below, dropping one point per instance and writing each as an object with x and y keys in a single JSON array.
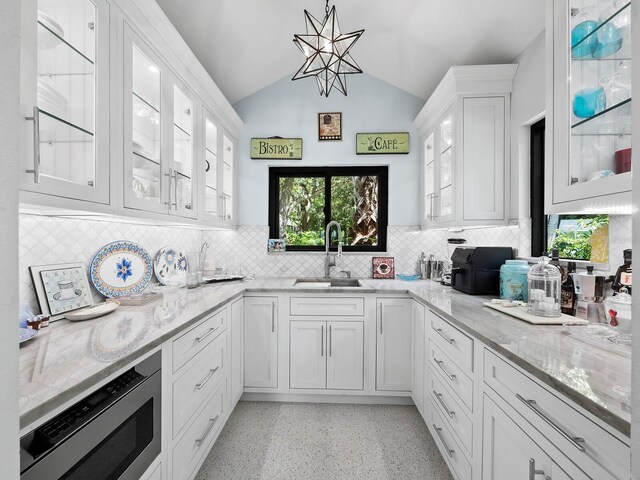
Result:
[
  {"x": 227, "y": 180},
  {"x": 418, "y": 357},
  {"x": 237, "y": 356},
  {"x": 483, "y": 172},
  {"x": 445, "y": 203},
  {"x": 308, "y": 350},
  {"x": 429, "y": 177},
  {"x": 345, "y": 355},
  {"x": 508, "y": 453},
  {"x": 393, "y": 332},
  {"x": 260, "y": 342}
]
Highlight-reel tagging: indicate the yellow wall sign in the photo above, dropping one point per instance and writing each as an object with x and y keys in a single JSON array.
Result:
[
  {"x": 276, "y": 148},
  {"x": 382, "y": 143}
]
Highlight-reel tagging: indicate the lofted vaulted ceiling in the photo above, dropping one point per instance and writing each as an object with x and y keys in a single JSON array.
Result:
[{"x": 246, "y": 45}]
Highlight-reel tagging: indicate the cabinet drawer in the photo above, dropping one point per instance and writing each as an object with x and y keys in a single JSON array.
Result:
[
  {"x": 454, "y": 343},
  {"x": 451, "y": 410},
  {"x": 199, "y": 437},
  {"x": 449, "y": 447},
  {"x": 557, "y": 420},
  {"x": 452, "y": 375},
  {"x": 186, "y": 346},
  {"x": 197, "y": 382},
  {"x": 327, "y": 306}
]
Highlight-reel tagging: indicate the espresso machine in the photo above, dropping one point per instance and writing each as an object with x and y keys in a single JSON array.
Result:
[{"x": 590, "y": 291}]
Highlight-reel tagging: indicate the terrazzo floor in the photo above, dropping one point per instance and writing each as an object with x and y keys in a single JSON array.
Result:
[{"x": 295, "y": 441}]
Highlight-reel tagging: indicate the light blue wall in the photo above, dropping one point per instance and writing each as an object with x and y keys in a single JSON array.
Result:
[{"x": 290, "y": 109}]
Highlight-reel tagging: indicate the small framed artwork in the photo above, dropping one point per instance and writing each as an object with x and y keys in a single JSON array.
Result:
[
  {"x": 329, "y": 127},
  {"x": 61, "y": 288},
  {"x": 384, "y": 267},
  {"x": 276, "y": 148},
  {"x": 276, "y": 245}
]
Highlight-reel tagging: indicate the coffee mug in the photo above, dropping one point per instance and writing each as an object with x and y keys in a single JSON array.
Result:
[{"x": 66, "y": 289}]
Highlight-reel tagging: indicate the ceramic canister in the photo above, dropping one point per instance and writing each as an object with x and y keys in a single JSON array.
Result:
[{"x": 513, "y": 280}]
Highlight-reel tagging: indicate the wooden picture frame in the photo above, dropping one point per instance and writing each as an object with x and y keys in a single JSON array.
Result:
[{"x": 330, "y": 127}]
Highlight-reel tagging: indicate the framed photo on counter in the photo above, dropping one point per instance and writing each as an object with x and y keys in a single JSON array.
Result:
[{"x": 61, "y": 288}]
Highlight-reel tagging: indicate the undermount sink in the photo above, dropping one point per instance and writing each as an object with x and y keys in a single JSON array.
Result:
[{"x": 327, "y": 282}]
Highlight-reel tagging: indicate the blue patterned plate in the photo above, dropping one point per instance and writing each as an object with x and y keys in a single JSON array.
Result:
[
  {"x": 26, "y": 334},
  {"x": 121, "y": 268},
  {"x": 170, "y": 266}
]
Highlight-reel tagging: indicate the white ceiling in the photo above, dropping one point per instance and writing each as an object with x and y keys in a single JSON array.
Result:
[{"x": 246, "y": 45}]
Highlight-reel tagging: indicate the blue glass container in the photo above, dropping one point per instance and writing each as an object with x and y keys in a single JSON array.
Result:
[
  {"x": 589, "y": 101},
  {"x": 581, "y": 46},
  {"x": 513, "y": 280}
]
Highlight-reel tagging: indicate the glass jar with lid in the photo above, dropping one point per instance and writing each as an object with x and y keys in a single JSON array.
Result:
[{"x": 544, "y": 285}]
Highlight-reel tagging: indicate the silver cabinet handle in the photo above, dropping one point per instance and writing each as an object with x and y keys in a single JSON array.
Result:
[
  {"x": 444, "y": 442},
  {"x": 441, "y": 365},
  {"x": 36, "y": 144},
  {"x": 575, "y": 441},
  {"x": 381, "y": 319},
  {"x": 451, "y": 341},
  {"x": 451, "y": 413},
  {"x": 175, "y": 189},
  {"x": 212, "y": 422},
  {"x": 273, "y": 317},
  {"x": 211, "y": 330},
  {"x": 431, "y": 206},
  {"x": 533, "y": 472},
  {"x": 322, "y": 340},
  {"x": 212, "y": 372},
  {"x": 330, "y": 340}
]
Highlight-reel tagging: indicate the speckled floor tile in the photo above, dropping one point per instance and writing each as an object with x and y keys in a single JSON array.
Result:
[{"x": 296, "y": 441}]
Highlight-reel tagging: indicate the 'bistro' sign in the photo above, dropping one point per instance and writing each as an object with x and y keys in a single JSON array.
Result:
[
  {"x": 276, "y": 148},
  {"x": 382, "y": 143}
]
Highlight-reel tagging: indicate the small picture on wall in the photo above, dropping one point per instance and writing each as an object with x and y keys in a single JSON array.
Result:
[
  {"x": 384, "y": 267},
  {"x": 61, "y": 288},
  {"x": 329, "y": 127},
  {"x": 276, "y": 245}
]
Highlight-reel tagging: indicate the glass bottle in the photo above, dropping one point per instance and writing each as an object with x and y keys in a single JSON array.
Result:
[
  {"x": 568, "y": 293},
  {"x": 555, "y": 261},
  {"x": 622, "y": 278},
  {"x": 544, "y": 281}
]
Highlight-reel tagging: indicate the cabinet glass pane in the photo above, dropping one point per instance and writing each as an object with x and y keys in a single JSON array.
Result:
[
  {"x": 146, "y": 127},
  {"x": 599, "y": 89},
  {"x": 182, "y": 147},
  {"x": 66, "y": 36},
  {"x": 429, "y": 176},
  {"x": 446, "y": 200},
  {"x": 446, "y": 134},
  {"x": 227, "y": 177},
  {"x": 445, "y": 169},
  {"x": 211, "y": 168}
]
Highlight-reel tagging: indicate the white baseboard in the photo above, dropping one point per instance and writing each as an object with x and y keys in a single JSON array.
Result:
[{"x": 311, "y": 398}]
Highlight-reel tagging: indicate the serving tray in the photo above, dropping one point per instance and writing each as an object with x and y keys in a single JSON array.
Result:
[{"x": 521, "y": 313}]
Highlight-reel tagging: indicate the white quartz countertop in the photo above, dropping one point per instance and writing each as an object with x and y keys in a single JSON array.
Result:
[{"x": 69, "y": 358}]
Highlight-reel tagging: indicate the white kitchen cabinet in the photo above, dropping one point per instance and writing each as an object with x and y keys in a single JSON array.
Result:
[
  {"x": 227, "y": 173},
  {"x": 465, "y": 128},
  {"x": 345, "y": 355},
  {"x": 65, "y": 99},
  {"x": 418, "y": 355},
  {"x": 583, "y": 138},
  {"x": 307, "y": 355},
  {"x": 393, "y": 344},
  {"x": 237, "y": 350},
  {"x": 261, "y": 342}
]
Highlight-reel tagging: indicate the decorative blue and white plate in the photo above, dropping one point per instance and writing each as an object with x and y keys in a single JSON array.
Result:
[
  {"x": 121, "y": 268},
  {"x": 170, "y": 266},
  {"x": 26, "y": 334}
]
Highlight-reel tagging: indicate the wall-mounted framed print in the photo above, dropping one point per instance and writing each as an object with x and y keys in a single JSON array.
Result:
[
  {"x": 330, "y": 127},
  {"x": 395, "y": 143},
  {"x": 276, "y": 148},
  {"x": 384, "y": 267},
  {"x": 61, "y": 288}
]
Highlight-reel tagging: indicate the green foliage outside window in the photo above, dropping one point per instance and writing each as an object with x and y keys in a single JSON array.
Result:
[{"x": 570, "y": 234}]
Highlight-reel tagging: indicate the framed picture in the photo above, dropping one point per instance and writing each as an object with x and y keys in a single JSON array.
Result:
[
  {"x": 61, "y": 288},
  {"x": 384, "y": 267},
  {"x": 329, "y": 127},
  {"x": 276, "y": 148},
  {"x": 382, "y": 143},
  {"x": 276, "y": 245}
]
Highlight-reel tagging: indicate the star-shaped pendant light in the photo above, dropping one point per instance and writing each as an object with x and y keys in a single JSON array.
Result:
[{"x": 327, "y": 52}]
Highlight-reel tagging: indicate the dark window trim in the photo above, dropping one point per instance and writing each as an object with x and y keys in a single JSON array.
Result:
[
  {"x": 382, "y": 172},
  {"x": 536, "y": 188}
]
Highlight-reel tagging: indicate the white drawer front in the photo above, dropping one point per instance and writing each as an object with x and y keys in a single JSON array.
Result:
[
  {"x": 327, "y": 306},
  {"x": 448, "y": 445},
  {"x": 190, "y": 343},
  {"x": 451, "y": 410},
  {"x": 199, "y": 437},
  {"x": 197, "y": 382},
  {"x": 557, "y": 420},
  {"x": 454, "y": 343},
  {"x": 452, "y": 375}
]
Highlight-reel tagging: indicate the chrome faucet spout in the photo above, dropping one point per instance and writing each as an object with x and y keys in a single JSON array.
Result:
[{"x": 328, "y": 262}]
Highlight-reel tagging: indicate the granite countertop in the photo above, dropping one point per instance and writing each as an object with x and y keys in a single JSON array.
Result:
[{"x": 69, "y": 358}]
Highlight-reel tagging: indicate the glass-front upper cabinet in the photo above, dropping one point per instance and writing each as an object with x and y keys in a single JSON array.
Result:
[
  {"x": 65, "y": 98},
  {"x": 429, "y": 160},
  {"x": 183, "y": 154},
  {"x": 210, "y": 197},
  {"x": 592, "y": 102},
  {"x": 228, "y": 152},
  {"x": 445, "y": 198}
]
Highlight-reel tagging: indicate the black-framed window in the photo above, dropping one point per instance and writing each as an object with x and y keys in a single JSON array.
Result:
[{"x": 303, "y": 200}]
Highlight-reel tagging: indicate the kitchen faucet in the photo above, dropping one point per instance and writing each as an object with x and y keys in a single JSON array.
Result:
[{"x": 328, "y": 261}]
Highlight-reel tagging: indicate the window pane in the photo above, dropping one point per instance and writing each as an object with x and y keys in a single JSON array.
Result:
[
  {"x": 301, "y": 214},
  {"x": 354, "y": 204},
  {"x": 579, "y": 237}
]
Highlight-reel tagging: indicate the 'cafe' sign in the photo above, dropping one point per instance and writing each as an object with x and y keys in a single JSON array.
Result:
[{"x": 382, "y": 143}]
